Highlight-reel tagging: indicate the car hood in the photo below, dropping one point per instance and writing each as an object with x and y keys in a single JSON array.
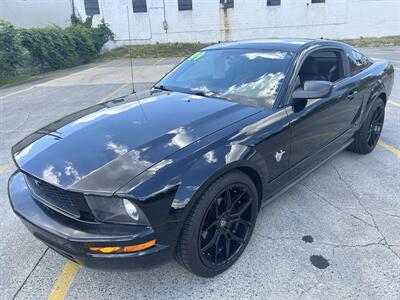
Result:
[{"x": 99, "y": 149}]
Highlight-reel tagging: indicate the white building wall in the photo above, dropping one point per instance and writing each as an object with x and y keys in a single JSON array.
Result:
[
  {"x": 209, "y": 22},
  {"x": 36, "y": 13}
]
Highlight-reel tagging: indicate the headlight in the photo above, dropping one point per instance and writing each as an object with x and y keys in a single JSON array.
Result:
[{"x": 116, "y": 210}]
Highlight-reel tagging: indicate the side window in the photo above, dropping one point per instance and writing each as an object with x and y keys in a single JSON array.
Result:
[
  {"x": 358, "y": 62},
  {"x": 324, "y": 65}
]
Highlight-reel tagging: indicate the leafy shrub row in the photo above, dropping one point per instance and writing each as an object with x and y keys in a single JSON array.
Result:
[{"x": 50, "y": 48}]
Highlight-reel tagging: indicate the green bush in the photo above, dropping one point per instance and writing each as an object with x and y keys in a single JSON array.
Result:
[
  {"x": 10, "y": 50},
  {"x": 50, "y": 48}
]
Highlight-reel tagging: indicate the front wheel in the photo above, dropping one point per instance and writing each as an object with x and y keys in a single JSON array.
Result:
[
  {"x": 219, "y": 226},
  {"x": 368, "y": 135}
]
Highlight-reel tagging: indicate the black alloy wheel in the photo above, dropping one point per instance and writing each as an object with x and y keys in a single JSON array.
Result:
[
  {"x": 367, "y": 137},
  {"x": 219, "y": 225},
  {"x": 375, "y": 128},
  {"x": 226, "y": 225}
]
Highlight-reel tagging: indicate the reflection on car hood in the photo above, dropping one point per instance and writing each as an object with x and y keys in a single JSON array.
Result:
[{"x": 103, "y": 147}]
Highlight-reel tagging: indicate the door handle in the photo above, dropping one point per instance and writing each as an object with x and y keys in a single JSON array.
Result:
[{"x": 351, "y": 95}]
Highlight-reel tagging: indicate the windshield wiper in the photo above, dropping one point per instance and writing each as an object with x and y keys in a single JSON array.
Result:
[
  {"x": 207, "y": 94},
  {"x": 162, "y": 87},
  {"x": 201, "y": 93}
]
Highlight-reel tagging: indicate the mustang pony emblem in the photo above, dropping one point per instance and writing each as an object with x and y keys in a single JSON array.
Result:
[{"x": 278, "y": 155}]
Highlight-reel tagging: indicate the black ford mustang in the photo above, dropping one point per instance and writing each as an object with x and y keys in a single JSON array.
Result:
[{"x": 183, "y": 169}]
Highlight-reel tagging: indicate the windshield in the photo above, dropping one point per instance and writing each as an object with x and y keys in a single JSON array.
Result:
[{"x": 246, "y": 76}]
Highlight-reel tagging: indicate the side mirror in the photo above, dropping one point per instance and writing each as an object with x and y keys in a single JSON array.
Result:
[{"x": 314, "y": 89}]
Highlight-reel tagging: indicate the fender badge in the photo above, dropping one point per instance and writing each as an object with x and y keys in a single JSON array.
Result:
[{"x": 278, "y": 155}]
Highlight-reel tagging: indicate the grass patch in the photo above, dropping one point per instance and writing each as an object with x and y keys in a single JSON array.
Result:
[
  {"x": 374, "y": 42},
  {"x": 155, "y": 51},
  {"x": 4, "y": 83}
]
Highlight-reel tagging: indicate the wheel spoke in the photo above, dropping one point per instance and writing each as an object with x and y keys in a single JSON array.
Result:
[
  {"x": 210, "y": 243},
  {"x": 242, "y": 209},
  {"x": 211, "y": 226},
  {"x": 236, "y": 237},
  {"x": 216, "y": 249},
  {"x": 238, "y": 197},
  {"x": 227, "y": 247},
  {"x": 378, "y": 115},
  {"x": 204, "y": 232},
  {"x": 217, "y": 215},
  {"x": 241, "y": 221}
]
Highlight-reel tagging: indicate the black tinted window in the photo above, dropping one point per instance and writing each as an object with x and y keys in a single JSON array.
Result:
[
  {"x": 273, "y": 2},
  {"x": 227, "y": 3},
  {"x": 326, "y": 65},
  {"x": 358, "y": 62},
  {"x": 92, "y": 7},
  {"x": 184, "y": 4},
  {"x": 139, "y": 6}
]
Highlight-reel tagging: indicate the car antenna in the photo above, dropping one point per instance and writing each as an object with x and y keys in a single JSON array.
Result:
[
  {"x": 130, "y": 49},
  {"x": 131, "y": 60}
]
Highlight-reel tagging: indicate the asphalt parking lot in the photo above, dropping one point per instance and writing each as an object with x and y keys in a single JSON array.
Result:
[{"x": 334, "y": 235}]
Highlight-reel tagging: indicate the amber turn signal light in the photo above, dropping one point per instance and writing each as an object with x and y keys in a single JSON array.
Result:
[{"x": 124, "y": 249}]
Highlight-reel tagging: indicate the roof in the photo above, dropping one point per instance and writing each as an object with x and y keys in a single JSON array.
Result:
[{"x": 286, "y": 44}]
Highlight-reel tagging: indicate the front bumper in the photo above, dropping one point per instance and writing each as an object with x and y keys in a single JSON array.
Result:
[{"x": 72, "y": 238}]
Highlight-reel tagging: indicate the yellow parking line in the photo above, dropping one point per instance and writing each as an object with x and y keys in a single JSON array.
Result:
[
  {"x": 64, "y": 281},
  {"x": 108, "y": 96},
  {"x": 158, "y": 61},
  {"x": 5, "y": 166},
  {"x": 122, "y": 86},
  {"x": 394, "y": 103},
  {"x": 17, "y": 92},
  {"x": 44, "y": 83},
  {"x": 390, "y": 148}
]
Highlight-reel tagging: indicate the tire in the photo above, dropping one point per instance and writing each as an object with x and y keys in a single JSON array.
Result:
[
  {"x": 212, "y": 221},
  {"x": 368, "y": 135}
]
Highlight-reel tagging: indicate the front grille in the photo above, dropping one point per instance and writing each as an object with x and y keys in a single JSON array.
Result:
[{"x": 54, "y": 197}]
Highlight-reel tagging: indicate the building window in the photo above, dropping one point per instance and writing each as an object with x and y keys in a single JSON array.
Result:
[
  {"x": 227, "y": 3},
  {"x": 273, "y": 2},
  {"x": 185, "y": 4},
  {"x": 317, "y": 1},
  {"x": 92, "y": 7},
  {"x": 139, "y": 6}
]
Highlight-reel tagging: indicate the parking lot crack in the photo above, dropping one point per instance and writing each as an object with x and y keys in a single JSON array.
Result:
[
  {"x": 381, "y": 242},
  {"x": 277, "y": 238},
  {"x": 316, "y": 283},
  {"x": 375, "y": 225},
  {"x": 23, "y": 122},
  {"x": 337, "y": 207},
  {"x": 394, "y": 216},
  {"x": 30, "y": 273}
]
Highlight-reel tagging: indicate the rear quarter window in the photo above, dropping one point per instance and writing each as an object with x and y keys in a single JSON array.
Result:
[{"x": 358, "y": 62}]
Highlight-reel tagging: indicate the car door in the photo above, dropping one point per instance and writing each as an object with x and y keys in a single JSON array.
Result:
[{"x": 318, "y": 126}]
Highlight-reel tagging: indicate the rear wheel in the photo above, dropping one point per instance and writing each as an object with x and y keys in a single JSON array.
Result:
[
  {"x": 219, "y": 226},
  {"x": 368, "y": 135}
]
